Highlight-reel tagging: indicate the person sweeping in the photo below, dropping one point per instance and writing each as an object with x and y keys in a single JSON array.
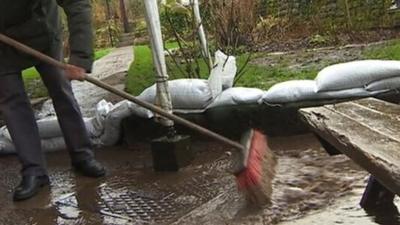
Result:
[
  {"x": 37, "y": 24},
  {"x": 254, "y": 164}
]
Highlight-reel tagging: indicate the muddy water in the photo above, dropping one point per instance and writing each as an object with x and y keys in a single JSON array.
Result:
[{"x": 310, "y": 187}]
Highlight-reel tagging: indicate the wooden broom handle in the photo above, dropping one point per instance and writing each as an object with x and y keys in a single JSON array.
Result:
[{"x": 44, "y": 58}]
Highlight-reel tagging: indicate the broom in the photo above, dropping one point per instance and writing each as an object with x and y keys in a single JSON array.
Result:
[{"x": 254, "y": 166}]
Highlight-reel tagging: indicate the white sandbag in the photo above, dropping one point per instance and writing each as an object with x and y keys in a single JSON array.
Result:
[
  {"x": 50, "y": 128},
  {"x": 48, "y": 145},
  {"x": 226, "y": 67},
  {"x": 290, "y": 91},
  {"x": 237, "y": 96},
  {"x": 185, "y": 93},
  {"x": 223, "y": 73},
  {"x": 304, "y": 90},
  {"x": 356, "y": 74},
  {"x": 112, "y": 122},
  {"x": 53, "y": 144},
  {"x": 386, "y": 84},
  {"x": 215, "y": 83},
  {"x": 6, "y": 145}
]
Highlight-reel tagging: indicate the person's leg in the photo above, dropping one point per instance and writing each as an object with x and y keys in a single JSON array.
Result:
[
  {"x": 70, "y": 118},
  {"x": 68, "y": 113},
  {"x": 21, "y": 123},
  {"x": 20, "y": 120}
]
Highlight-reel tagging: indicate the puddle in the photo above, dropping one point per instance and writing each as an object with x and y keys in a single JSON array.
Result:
[{"x": 310, "y": 187}]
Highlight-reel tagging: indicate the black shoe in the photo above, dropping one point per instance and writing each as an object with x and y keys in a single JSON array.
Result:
[
  {"x": 29, "y": 186},
  {"x": 90, "y": 168}
]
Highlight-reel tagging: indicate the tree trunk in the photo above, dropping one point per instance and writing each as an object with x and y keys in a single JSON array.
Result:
[{"x": 124, "y": 18}]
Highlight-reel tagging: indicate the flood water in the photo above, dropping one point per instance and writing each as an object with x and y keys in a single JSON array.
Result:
[{"x": 310, "y": 188}]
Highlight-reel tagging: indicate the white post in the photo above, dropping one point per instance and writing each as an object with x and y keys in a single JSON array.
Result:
[
  {"x": 163, "y": 97},
  {"x": 201, "y": 33}
]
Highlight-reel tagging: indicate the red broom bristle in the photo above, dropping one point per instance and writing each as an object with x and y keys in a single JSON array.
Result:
[
  {"x": 252, "y": 175},
  {"x": 256, "y": 180}
]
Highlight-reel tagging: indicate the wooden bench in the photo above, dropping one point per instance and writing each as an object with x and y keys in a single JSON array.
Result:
[{"x": 368, "y": 132}]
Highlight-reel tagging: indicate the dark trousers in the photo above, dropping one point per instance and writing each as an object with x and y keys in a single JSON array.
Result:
[{"x": 19, "y": 117}]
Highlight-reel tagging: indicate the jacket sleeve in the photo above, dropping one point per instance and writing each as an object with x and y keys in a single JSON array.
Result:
[{"x": 80, "y": 32}]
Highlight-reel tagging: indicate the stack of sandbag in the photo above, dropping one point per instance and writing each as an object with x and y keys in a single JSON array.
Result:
[
  {"x": 104, "y": 128},
  {"x": 337, "y": 82}
]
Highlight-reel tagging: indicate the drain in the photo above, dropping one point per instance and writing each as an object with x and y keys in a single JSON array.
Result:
[
  {"x": 136, "y": 206},
  {"x": 168, "y": 205},
  {"x": 155, "y": 201}
]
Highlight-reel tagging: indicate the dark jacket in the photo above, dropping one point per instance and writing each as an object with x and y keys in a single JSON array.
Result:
[{"x": 37, "y": 23}]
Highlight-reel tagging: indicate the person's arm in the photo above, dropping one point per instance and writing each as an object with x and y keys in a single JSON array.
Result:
[{"x": 80, "y": 32}]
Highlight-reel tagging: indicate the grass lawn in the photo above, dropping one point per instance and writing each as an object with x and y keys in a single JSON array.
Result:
[
  {"x": 389, "y": 50},
  {"x": 33, "y": 83}
]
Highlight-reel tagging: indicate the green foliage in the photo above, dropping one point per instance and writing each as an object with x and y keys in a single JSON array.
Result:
[
  {"x": 391, "y": 50},
  {"x": 317, "y": 40},
  {"x": 104, "y": 31},
  {"x": 34, "y": 85},
  {"x": 270, "y": 27},
  {"x": 264, "y": 77},
  {"x": 101, "y": 52},
  {"x": 331, "y": 16},
  {"x": 175, "y": 18},
  {"x": 141, "y": 72},
  {"x": 179, "y": 25}
]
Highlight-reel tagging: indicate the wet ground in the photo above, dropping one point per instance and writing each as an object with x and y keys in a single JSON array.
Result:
[{"x": 310, "y": 187}]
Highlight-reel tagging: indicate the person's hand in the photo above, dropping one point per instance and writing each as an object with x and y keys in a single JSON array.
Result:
[{"x": 75, "y": 73}]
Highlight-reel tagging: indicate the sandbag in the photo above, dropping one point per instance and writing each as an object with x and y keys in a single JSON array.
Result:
[
  {"x": 50, "y": 128},
  {"x": 112, "y": 121},
  {"x": 304, "y": 90},
  {"x": 237, "y": 96},
  {"x": 48, "y": 144},
  {"x": 356, "y": 74},
  {"x": 6, "y": 146},
  {"x": 222, "y": 74},
  {"x": 185, "y": 93},
  {"x": 386, "y": 84},
  {"x": 225, "y": 66},
  {"x": 290, "y": 91}
]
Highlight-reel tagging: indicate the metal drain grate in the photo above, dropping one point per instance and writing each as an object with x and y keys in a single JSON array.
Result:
[
  {"x": 168, "y": 205},
  {"x": 136, "y": 206},
  {"x": 154, "y": 203}
]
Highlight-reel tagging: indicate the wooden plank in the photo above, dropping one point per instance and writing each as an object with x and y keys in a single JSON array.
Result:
[
  {"x": 386, "y": 124},
  {"x": 379, "y": 105},
  {"x": 375, "y": 152}
]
